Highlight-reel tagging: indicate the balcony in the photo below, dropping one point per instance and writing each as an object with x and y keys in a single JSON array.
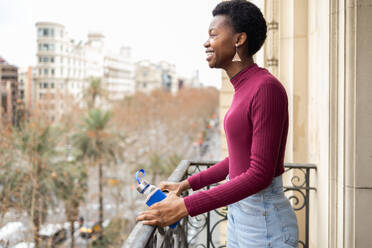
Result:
[{"x": 203, "y": 230}]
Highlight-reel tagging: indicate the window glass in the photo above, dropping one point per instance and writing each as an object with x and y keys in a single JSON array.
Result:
[
  {"x": 52, "y": 71},
  {"x": 52, "y": 32},
  {"x": 45, "y": 71},
  {"x": 51, "y": 47},
  {"x": 52, "y": 85},
  {"x": 45, "y": 85},
  {"x": 45, "y": 47},
  {"x": 52, "y": 59},
  {"x": 45, "y": 32},
  {"x": 40, "y": 32}
]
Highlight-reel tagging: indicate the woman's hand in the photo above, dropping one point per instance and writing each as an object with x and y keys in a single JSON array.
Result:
[
  {"x": 164, "y": 213},
  {"x": 177, "y": 188}
]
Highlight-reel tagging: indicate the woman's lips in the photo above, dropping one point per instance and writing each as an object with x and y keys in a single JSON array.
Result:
[{"x": 209, "y": 55}]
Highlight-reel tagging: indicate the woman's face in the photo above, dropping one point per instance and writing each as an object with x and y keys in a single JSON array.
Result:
[{"x": 220, "y": 44}]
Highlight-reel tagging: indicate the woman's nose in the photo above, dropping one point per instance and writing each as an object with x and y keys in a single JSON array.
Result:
[{"x": 206, "y": 44}]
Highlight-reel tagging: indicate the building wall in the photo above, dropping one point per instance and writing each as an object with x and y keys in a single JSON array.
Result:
[
  {"x": 150, "y": 76},
  {"x": 8, "y": 92}
]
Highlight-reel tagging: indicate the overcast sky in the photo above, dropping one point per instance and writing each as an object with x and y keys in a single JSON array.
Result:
[{"x": 171, "y": 30}]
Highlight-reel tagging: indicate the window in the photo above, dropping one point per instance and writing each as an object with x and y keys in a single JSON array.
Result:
[
  {"x": 52, "y": 59},
  {"x": 45, "y": 32},
  {"x": 52, "y": 32},
  {"x": 45, "y": 71},
  {"x": 52, "y": 71},
  {"x": 40, "y": 85},
  {"x": 61, "y": 60},
  {"x": 40, "y": 59},
  {"x": 45, "y": 85},
  {"x": 40, "y": 32},
  {"x": 52, "y": 85},
  {"x": 40, "y": 72},
  {"x": 44, "y": 59},
  {"x": 51, "y": 47},
  {"x": 45, "y": 47}
]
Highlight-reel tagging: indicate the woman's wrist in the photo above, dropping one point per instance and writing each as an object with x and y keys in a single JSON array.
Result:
[{"x": 185, "y": 185}]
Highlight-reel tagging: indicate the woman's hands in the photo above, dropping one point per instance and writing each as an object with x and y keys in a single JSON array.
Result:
[
  {"x": 177, "y": 188},
  {"x": 164, "y": 213}
]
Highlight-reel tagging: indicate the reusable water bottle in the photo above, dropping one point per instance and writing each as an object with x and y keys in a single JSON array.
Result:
[{"x": 152, "y": 193}]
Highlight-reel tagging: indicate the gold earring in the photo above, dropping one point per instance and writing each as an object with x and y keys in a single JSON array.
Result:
[{"x": 236, "y": 56}]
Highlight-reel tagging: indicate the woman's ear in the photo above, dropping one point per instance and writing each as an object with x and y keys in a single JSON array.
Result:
[{"x": 241, "y": 39}]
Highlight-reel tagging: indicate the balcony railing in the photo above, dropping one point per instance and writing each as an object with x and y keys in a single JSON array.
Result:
[{"x": 202, "y": 231}]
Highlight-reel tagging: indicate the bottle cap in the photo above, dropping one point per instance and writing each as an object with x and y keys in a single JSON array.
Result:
[{"x": 142, "y": 186}]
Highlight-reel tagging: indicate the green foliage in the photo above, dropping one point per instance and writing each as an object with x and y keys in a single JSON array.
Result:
[{"x": 93, "y": 140}]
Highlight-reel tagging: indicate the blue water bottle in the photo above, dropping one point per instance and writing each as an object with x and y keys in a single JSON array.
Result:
[{"x": 152, "y": 193}]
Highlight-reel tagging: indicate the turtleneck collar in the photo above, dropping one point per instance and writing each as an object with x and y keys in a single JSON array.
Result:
[{"x": 237, "y": 79}]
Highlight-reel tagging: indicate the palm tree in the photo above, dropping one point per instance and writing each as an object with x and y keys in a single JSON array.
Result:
[
  {"x": 94, "y": 91},
  {"x": 26, "y": 172},
  {"x": 97, "y": 145}
]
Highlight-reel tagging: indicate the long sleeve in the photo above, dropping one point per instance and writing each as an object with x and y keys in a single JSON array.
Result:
[
  {"x": 213, "y": 174},
  {"x": 268, "y": 114}
]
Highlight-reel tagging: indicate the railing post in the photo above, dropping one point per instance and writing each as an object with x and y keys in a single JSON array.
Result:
[
  {"x": 307, "y": 207},
  {"x": 208, "y": 226}
]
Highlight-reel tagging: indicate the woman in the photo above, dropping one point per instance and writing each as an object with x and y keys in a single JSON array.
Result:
[{"x": 256, "y": 126}]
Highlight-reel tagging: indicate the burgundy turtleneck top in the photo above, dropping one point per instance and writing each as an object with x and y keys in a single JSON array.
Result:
[{"x": 256, "y": 127}]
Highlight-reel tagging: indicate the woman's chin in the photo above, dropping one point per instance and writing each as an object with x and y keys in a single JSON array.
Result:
[{"x": 211, "y": 64}]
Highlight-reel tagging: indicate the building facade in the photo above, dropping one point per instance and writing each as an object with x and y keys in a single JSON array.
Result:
[
  {"x": 26, "y": 86},
  {"x": 150, "y": 76},
  {"x": 64, "y": 66},
  {"x": 8, "y": 92},
  {"x": 320, "y": 51}
]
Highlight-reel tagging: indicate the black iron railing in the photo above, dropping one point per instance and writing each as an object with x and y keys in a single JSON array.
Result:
[{"x": 202, "y": 231}]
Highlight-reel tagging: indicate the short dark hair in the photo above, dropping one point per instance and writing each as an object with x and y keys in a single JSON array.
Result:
[{"x": 245, "y": 17}]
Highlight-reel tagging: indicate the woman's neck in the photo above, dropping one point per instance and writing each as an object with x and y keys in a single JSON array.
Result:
[{"x": 235, "y": 67}]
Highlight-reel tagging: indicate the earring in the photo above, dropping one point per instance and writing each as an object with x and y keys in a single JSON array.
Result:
[{"x": 236, "y": 56}]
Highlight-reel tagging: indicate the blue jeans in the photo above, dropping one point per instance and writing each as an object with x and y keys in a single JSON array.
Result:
[{"x": 263, "y": 220}]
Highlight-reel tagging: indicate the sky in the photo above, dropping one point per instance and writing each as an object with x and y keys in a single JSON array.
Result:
[{"x": 170, "y": 30}]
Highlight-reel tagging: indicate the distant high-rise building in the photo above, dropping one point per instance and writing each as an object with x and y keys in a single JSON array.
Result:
[
  {"x": 8, "y": 92},
  {"x": 150, "y": 76},
  {"x": 64, "y": 67},
  {"x": 190, "y": 82}
]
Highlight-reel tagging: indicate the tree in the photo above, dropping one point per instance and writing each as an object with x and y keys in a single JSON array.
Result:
[
  {"x": 97, "y": 145},
  {"x": 94, "y": 92},
  {"x": 26, "y": 171}
]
